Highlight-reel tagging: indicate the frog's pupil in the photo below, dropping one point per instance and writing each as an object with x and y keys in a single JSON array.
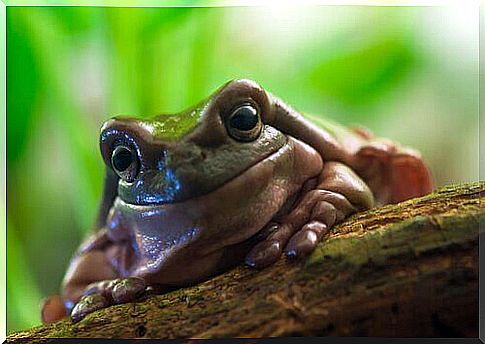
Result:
[
  {"x": 245, "y": 118},
  {"x": 122, "y": 159}
]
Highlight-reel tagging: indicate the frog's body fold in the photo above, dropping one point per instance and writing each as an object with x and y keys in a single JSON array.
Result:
[{"x": 241, "y": 176}]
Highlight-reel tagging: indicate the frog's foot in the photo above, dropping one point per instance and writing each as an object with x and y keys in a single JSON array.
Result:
[
  {"x": 52, "y": 309},
  {"x": 302, "y": 229},
  {"x": 102, "y": 294},
  {"x": 394, "y": 173},
  {"x": 340, "y": 193}
]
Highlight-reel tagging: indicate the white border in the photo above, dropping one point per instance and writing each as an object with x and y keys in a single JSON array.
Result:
[
  {"x": 3, "y": 174},
  {"x": 142, "y": 3},
  {"x": 235, "y": 3}
]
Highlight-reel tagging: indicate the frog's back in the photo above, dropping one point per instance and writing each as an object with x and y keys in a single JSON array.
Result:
[{"x": 394, "y": 173}]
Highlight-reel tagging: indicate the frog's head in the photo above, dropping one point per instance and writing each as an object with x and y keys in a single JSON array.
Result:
[
  {"x": 174, "y": 157},
  {"x": 193, "y": 187}
]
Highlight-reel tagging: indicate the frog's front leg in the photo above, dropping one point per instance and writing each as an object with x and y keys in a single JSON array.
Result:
[
  {"x": 95, "y": 280},
  {"x": 105, "y": 293},
  {"x": 338, "y": 194},
  {"x": 87, "y": 267},
  {"x": 105, "y": 285}
]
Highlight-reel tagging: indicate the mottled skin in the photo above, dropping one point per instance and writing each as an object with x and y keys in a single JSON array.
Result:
[{"x": 200, "y": 195}]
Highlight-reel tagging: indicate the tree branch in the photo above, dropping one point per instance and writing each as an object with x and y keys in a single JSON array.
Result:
[{"x": 409, "y": 269}]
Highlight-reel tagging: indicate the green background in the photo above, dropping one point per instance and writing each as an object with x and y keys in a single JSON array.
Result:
[{"x": 410, "y": 74}]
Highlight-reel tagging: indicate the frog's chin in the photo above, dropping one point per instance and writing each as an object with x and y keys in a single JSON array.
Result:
[{"x": 198, "y": 233}]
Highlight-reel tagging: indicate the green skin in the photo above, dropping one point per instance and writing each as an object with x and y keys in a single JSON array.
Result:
[{"x": 200, "y": 195}]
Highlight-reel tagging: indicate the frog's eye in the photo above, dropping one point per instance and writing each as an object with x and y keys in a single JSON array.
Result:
[
  {"x": 244, "y": 123},
  {"x": 125, "y": 163}
]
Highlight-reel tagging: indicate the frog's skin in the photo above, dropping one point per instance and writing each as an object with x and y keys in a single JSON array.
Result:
[{"x": 189, "y": 195}]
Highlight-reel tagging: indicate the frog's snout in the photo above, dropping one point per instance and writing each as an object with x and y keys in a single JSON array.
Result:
[
  {"x": 129, "y": 148},
  {"x": 126, "y": 145}
]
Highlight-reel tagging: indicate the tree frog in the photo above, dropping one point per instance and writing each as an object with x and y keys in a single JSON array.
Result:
[{"x": 239, "y": 177}]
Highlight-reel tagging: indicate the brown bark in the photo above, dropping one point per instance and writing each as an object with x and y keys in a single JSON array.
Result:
[{"x": 409, "y": 269}]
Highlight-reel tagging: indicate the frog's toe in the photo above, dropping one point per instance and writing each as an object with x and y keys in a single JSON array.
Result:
[
  {"x": 410, "y": 177},
  {"x": 128, "y": 289},
  {"x": 395, "y": 173},
  {"x": 269, "y": 248},
  {"x": 53, "y": 309},
  {"x": 263, "y": 254},
  {"x": 303, "y": 242},
  {"x": 88, "y": 304}
]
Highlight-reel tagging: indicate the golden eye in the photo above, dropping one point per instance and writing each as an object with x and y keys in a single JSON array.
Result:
[{"x": 244, "y": 123}]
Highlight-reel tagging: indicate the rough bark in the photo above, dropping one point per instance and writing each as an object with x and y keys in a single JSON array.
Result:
[{"x": 409, "y": 269}]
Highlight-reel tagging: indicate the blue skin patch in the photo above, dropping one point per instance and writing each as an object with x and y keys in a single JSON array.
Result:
[{"x": 165, "y": 194}]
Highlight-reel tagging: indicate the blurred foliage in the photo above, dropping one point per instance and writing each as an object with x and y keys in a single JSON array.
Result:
[{"x": 406, "y": 73}]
